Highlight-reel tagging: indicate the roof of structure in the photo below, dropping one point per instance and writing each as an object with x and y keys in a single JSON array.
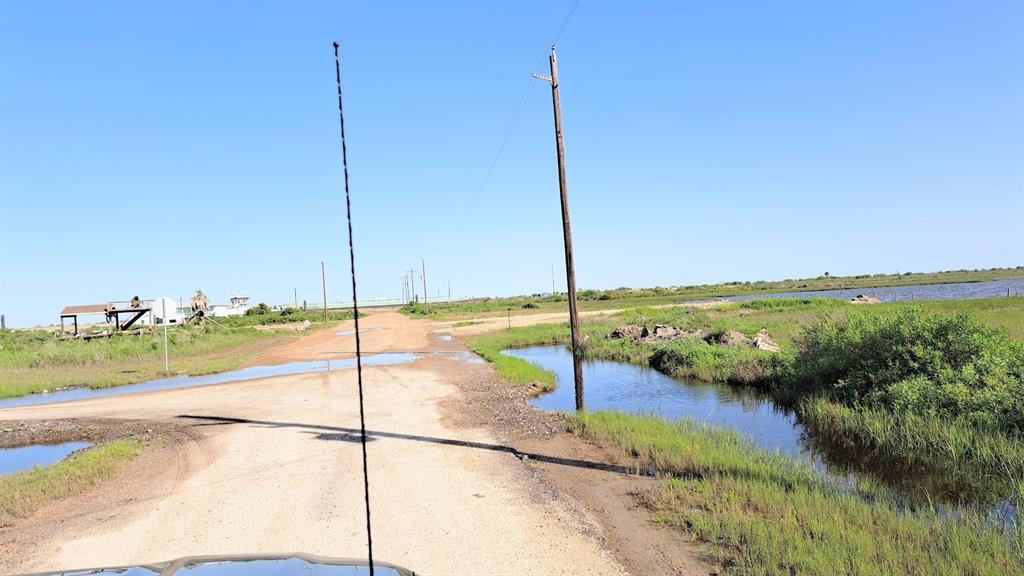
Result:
[{"x": 84, "y": 309}]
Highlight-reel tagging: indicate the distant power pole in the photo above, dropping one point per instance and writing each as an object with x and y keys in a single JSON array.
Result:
[
  {"x": 450, "y": 290},
  {"x": 295, "y": 296},
  {"x": 323, "y": 278},
  {"x": 570, "y": 270},
  {"x": 553, "y": 280},
  {"x": 424, "y": 262},
  {"x": 412, "y": 285}
]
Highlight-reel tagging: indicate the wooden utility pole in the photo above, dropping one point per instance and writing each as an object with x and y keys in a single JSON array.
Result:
[
  {"x": 570, "y": 269},
  {"x": 424, "y": 262},
  {"x": 412, "y": 286},
  {"x": 323, "y": 278}
]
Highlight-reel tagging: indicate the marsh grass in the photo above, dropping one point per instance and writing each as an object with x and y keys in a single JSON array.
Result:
[
  {"x": 516, "y": 370},
  {"x": 989, "y": 463},
  {"x": 23, "y": 493},
  {"x": 984, "y": 456},
  {"x": 763, "y": 514}
]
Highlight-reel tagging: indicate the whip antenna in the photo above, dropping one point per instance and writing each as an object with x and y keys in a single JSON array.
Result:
[{"x": 355, "y": 313}]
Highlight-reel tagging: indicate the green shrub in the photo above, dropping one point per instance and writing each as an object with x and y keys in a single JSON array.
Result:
[
  {"x": 258, "y": 310},
  {"x": 912, "y": 360}
]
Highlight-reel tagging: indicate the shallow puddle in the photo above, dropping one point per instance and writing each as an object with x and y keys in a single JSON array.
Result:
[
  {"x": 351, "y": 332},
  {"x": 251, "y": 373},
  {"x": 463, "y": 356},
  {"x": 14, "y": 460}
]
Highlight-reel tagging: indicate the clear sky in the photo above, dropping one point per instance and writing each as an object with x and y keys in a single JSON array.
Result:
[{"x": 156, "y": 148}]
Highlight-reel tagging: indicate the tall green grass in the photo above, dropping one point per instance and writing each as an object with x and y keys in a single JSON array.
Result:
[
  {"x": 986, "y": 465},
  {"x": 23, "y": 493},
  {"x": 763, "y": 514}
]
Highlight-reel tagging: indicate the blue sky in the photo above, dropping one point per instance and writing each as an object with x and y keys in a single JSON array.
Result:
[{"x": 152, "y": 149}]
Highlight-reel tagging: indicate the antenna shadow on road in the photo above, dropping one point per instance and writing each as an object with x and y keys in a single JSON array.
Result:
[{"x": 341, "y": 434}]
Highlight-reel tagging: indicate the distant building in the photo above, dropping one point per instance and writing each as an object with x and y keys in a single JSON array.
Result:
[
  {"x": 168, "y": 306},
  {"x": 237, "y": 307}
]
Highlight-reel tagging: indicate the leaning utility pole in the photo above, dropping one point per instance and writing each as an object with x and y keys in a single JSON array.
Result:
[
  {"x": 570, "y": 269},
  {"x": 424, "y": 262},
  {"x": 323, "y": 277}
]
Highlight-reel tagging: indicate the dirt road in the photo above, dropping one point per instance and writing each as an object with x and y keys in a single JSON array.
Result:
[{"x": 273, "y": 465}]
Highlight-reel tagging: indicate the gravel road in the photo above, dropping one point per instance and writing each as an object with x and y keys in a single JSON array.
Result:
[{"x": 273, "y": 465}]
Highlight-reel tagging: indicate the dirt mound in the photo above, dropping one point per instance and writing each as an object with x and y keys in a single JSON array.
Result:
[
  {"x": 732, "y": 338},
  {"x": 764, "y": 342},
  {"x": 628, "y": 331},
  {"x": 660, "y": 333}
]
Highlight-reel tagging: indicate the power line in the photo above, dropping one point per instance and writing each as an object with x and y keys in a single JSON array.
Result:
[{"x": 520, "y": 107}]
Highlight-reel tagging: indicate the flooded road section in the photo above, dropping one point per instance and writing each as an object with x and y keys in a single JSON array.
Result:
[
  {"x": 14, "y": 460},
  {"x": 251, "y": 373},
  {"x": 634, "y": 389}
]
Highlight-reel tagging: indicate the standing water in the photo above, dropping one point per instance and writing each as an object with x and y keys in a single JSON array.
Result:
[
  {"x": 13, "y": 460},
  {"x": 627, "y": 388},
  {"x": 624, "y": 387},
  {"x": 957, "y": 291}
]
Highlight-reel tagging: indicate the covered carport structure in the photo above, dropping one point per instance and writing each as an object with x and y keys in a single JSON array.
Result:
[{"x": 109, "y": 311}]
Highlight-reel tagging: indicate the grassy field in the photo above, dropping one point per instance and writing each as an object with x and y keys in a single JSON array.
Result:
[
  {"x": 762, "y": 514},
  {"x": 23, "y": 493},
  {"x": 634, "y": 297},
  {"x": 33, "y": 361}
]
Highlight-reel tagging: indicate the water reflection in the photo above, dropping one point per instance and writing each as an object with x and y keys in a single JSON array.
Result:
[
  {"x": 251, "y": 373},
  {"x": 14, "y": 460}
]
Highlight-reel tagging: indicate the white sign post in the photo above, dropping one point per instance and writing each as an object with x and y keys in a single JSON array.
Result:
[{"x": 163, "y": 303}]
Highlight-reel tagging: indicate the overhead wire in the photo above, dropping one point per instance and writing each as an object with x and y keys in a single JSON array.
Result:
[{"x": 520, "y": 107}]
